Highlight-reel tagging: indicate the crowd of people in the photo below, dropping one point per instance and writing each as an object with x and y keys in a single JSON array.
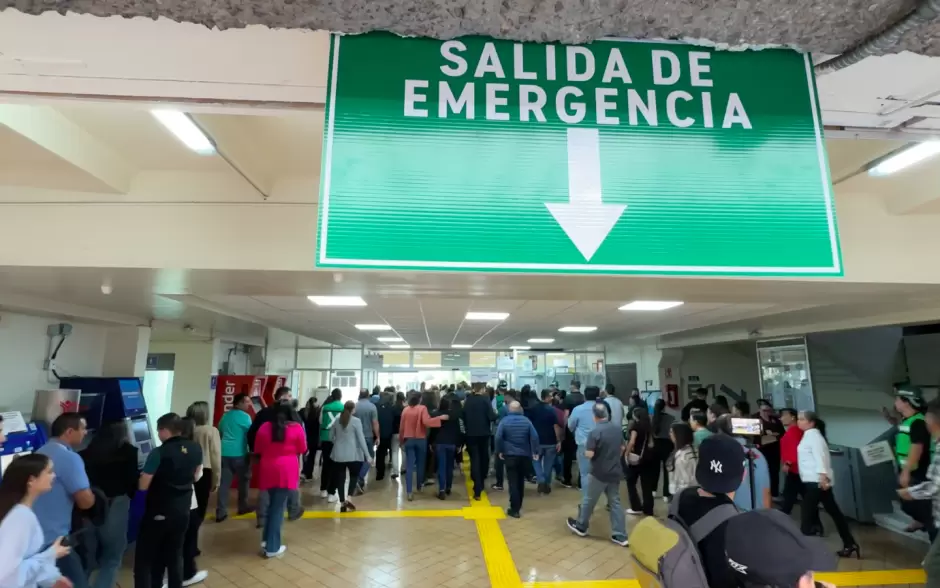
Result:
[{"x": 64, "y": 513}]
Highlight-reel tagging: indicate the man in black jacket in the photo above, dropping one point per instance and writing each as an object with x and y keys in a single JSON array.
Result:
[{"x": 478, "y": 417}]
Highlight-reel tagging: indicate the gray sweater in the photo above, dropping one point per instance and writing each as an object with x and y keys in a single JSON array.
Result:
[{"x": 349, "y": 444}]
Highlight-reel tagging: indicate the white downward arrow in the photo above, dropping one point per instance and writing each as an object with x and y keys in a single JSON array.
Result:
[{"x": 585, "y": 218}]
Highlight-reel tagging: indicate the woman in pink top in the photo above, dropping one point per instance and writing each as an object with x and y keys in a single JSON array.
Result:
[
  {"x": 279, "y": 443},
  {"x": 413, "y": 436}
]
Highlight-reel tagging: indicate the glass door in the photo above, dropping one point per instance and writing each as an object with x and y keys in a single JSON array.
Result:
[{"x": 784, "y": 373}]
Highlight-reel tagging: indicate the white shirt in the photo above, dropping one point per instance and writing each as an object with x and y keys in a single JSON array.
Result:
[
  {"x": 22, "y": 564},
  {"x": 813, "y": 457}
]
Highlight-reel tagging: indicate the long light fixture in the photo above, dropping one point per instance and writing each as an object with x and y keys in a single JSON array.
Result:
[
  {"x": 541, "y": 340},
  {"x": 399, "y": 346},
  {"x": 577, "y": 329},
  {"x": 906, "y": 158},
  {"x": 461, "y": 346},
  {"x": 184, "y": 129},
  {"x": 337, "y": 300},
  {"x": 520, "y": 347},
  {"x": 650, "y": 305},
  {"x": 390, "y": 340},
  {"x": 374, "y": 327},
  {"x": 487, "y": 316}
]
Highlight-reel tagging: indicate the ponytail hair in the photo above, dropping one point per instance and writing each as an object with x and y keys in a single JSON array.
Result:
[
  {"x": 347, "y": 413},
  {"x": 818, "y": 423}
]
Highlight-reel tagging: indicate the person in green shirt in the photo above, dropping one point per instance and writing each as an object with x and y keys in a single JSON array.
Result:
[
  {"x": 233, "y": 429},
  {"x": 699, "y": 423},
  {"x": 329, "y": 414}
]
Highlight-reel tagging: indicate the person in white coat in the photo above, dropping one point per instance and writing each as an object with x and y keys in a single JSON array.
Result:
[
  {"x": 23, "y": 561},
  {"x": 816, "y": 473}
]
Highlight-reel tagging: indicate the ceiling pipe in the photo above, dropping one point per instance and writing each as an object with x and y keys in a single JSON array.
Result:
[{"x": 926, "y": 12}]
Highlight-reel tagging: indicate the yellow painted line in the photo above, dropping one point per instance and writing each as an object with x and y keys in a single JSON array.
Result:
[
  {"x": 874, "y": 578},
  {"x": 483, "y": 513},
  {"x": 499, "y": 564},
  {"x": 585, "y": 584}
]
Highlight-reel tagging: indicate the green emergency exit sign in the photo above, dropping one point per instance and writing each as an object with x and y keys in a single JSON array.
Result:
[{"x": 614, "y": 157}]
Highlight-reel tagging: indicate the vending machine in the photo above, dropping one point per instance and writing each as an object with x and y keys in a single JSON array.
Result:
[
  {"x": 22, "y": 438},
  {"x": 227, "y": 387}
]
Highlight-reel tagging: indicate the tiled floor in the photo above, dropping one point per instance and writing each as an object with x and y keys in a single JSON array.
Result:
[{"x": 454, "y": 543}]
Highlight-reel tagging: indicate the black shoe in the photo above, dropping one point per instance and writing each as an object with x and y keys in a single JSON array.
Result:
[
  {"x": 532, "y": 480},
  {"x": 220, "y": 519},
  {"x": 447, "y": 492},
  {"x": 564, "y": 484},
  {"x": 513, "y": 513},
  {"x": 476, "y": 497},
  {"x": 576, "y": 528},
  {"x": 379, "y": 478},
  {"x": 847, "y": 552},
  {"x": 496, "y": 487},
  {"x": 441, "y": 496},
  {"x": 245, "y": 511}
]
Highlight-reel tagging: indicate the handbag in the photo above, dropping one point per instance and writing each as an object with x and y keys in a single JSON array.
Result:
[{"x": 635, "y": 459}]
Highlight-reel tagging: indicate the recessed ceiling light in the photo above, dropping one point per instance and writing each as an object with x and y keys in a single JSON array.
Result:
[
  {"x": 538, "y": 340},
  {"x": 337, "y": 300},
  {"x": 577, "y": 329},
  {"x": 906, "y": 158},
  {"x": 399, "y": 346},
  {"x": 458, "y": 346},
  {"x": 375, "y": 327},
  {"x": 520, "y": 347},
  {"x": 487, "y": 316},
  {"x": 184, "y": 129},
  {"x": 650, "y": 305},
  {"x": 390, "y": 339}
]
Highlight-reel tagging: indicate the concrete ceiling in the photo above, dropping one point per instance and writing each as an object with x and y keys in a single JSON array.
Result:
[{"x": 811, "y": 25}]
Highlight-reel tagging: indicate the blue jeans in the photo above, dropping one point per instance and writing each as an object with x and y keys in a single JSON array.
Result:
[
  {"x": 370, "y": 443},
  {"x": 584, "y": 469},
  {"x": 416, "y": 451},
  {"x": 591, "y": 492},
  {"x": 545, "y": 463},
  {"x": 445, "y": 466},
  {"x": 72, "y": 568},
  {"x": 277, "y": 503},
  {"x": 559, "y": 462},
  {"x": 109, "y": 543}
]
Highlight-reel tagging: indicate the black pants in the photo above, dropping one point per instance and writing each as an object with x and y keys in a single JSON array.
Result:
[
  {"x": 516, "y": 468},
  {"x": 663, "y": 449},
  {"x": 479, "y": 450},
  {"x": 381, "y": 457},
  {"x": 326, "y": 472},
  {"x": 771, "y": 453},
  {"x": 159, "y": 549},
  {"x": 810, "y": 512},
  {"x": 339, "y": 477},
  {"x": 646, "y": 472},
  {"x": 191, "y": 543},
  {"x": 569, "y": 454},
  {"x": 792, "y": 489},
  {"x": 310, "y": 460}
]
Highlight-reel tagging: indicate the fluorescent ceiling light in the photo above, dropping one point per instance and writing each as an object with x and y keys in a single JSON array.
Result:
[
  {"x": 650, "y": 305},
  {"x": 537, "y": 340},
  {"x": 185, "y": 130},
  {"x": 577, "y": 329},
  {"x": 337, "y": 300},
  {"x": 520, "y": 347},
  {"x": 399, "y": 346},
  {"x": 375, "y": 327},
  {"x": 487, "y": 316},
  {"x": 458, "y": 346},
  {"x": 906, "y": 158},
  {"x": 390, "y": 339}
]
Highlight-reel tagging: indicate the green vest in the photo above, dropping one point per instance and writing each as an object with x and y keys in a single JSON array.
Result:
[
  {"x": 328, "y": 414},
  {"x": 902, "y": 442}
]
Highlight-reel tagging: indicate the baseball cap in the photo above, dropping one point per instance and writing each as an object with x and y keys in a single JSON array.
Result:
[
  {"x": 720, "y": 466},
  {"x": 783, "y": 554},
  {"x": 502, "y": 385},
  {"x": 912, "y": 394}
]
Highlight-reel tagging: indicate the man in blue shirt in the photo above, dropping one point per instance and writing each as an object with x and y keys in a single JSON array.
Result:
[
  {"x": 516, "y": 443},
  {"x": 70, "y": 489},
  {"x": 581, "y": 422}
]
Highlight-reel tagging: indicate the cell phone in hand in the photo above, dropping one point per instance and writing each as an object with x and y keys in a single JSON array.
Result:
[{"x": 72, "y": 539}]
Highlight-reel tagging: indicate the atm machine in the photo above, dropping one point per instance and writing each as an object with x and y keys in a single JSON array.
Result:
[
  {"x": 22, "y": 438},
  {"x": 116, "y": 399}
]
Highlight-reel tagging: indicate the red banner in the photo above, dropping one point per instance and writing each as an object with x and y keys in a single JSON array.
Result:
[{"x": 227, "y": 387}]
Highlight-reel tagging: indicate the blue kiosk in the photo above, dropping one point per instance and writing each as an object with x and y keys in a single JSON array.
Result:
[{"x": 105, "y": 400}]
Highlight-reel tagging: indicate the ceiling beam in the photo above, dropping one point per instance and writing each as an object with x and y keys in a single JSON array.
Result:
[{"x": 55, "y": 133}]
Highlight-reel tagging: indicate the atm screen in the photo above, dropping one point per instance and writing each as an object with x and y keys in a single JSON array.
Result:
[
  {"x": 256, "y": 404},
  {"x": 141, "y": 431},
  {"x": 6, "y": 460}
]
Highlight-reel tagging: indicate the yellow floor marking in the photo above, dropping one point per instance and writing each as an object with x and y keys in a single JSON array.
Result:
[
  {"x": 585, "y": 584},
  {"x": 499, "y": 564},
  {"x": 875, "y": 578}
]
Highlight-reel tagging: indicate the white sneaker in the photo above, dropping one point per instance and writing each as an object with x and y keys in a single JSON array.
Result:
[
  {"x": 655, "y": 494},
  {"x": 630, "y": 511},
  {"x": 332, "y": 499},
  {"x": 198, "y": 577},
  {"x": 323, "y": 494},
  {"x": 277, "y": 553}
]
